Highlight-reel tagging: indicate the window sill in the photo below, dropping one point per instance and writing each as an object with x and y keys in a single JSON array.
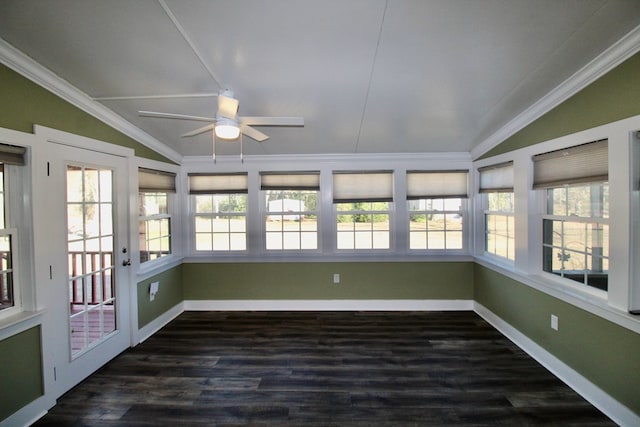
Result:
[
  {"x": 19, "y": 322},
  {"x": 151, "y": 268},
  {"x": 502, "y": 262},
  {"x": 333, "y": 257},
  {"x": 592, "y": 301}
]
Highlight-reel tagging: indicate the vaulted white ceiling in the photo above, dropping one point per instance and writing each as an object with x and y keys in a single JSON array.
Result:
[{"x": 368, "y": 76}]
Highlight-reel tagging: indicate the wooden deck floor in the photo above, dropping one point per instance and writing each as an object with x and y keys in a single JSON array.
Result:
[{"x": 324, "y": 369}]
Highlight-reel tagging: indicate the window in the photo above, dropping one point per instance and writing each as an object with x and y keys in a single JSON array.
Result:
[
  {"x": 575, "y": 225},
  {"x": 220, "y": 211},
  {"x": 154, "y": 230},
  {"x": 435, "y": 203},
  {"x": 435, "y": 224},
  {"x": 291, "y": 214},
  {"x": 363, "y": 205},
  {"x": 496, "y": 183},
  {"x": 499, "y": 225},
  {"x": 7, "y": 298},
  {"x": 11, "y": 158}
]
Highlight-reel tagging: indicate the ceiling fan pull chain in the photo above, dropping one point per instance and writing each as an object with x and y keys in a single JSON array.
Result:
[
  {"x": 241, "y": 156},
  {"x": 213, "y": 137}
]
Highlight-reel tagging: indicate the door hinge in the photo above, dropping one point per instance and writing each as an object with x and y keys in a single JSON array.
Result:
[
  {"x": 48, "y": 169},
  {"x": 50, "y": 273},
  {"x": 55, "y": 375}
]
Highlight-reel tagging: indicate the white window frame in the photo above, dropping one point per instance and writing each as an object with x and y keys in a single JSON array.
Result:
[
  {"x": 196, "y": 214},
  {"x": 266, "y": 212},
  {"x": 634, "y": 219},
  {"x": 149, "y": 268},
  {"x": 157, "y": 217},
  {"x": 506, "y": 215},
  {"x": 15, "y": 273},
  {"x": 389, "y": 212},
  {"x": 19, "y": 225},
  {"x": 364, "y": 186},
  {"x": 564, "y": 219},
  {"x": 424, "y": 185},
  {"x": 463, "y": 232}
]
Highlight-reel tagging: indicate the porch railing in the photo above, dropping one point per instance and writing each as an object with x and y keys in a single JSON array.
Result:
[{"x": 97, "y": 271}]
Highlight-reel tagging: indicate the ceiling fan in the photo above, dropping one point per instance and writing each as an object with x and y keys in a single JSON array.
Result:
[{"x": 227, "y": 125}]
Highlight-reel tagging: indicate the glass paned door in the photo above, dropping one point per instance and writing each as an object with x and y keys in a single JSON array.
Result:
[
  {"x": 91, "y": 260},
  {"x": 83, "y": 232}
]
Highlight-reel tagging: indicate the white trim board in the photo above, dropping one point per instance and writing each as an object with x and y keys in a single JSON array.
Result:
[
  {"x": 585, "y": 388},
  {"x": 328, "y": 305},
  {"x": 29, "y": 414},
  {"x": 159, "y": 322}
]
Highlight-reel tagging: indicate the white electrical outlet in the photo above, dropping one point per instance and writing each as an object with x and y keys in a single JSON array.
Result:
[
  {"x": 153, "y": 290},
  {"x": 336, "y": 278},
  {"x": 554, "y": 322}
]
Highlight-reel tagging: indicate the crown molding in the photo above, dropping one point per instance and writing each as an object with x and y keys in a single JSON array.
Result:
[
  {"x": 27, "y": 67},
  {"x": 622, "y": 50}
]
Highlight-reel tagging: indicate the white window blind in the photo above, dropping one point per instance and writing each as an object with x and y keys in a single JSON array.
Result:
[
  {"x": 227, "y": 183},
  {"x": 582, "y": 163},
  {"x": 151, "y": 181},
  {"x": 496, "y": 178},
  {"x": 290, "y": 181},
  {"x": 437, "y": 184},
  {"x": 12, "y": 154},
  {"x": 350, "y": 187}
]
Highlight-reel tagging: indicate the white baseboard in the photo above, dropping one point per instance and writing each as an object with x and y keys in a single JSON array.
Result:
[
  {"x": 591, "y": 392},
  {"x": 28, "y": 414},
  {"x": 328, "y": 305},
  {"x": 159, "y": 322}
]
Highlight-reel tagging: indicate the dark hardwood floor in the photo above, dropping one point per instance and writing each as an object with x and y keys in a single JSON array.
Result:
[{"x": 324, "y": 369}]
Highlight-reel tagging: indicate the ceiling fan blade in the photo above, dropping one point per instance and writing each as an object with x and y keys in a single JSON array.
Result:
[
  {"x": 272, "y": 121},
  {"x": 198, "y": 131},
  {"x": 253, "y": 133},
  {"x": 142, "y": 97},
  {"x": 175, "y": 116},
  {"x": 227, "y": 106}
]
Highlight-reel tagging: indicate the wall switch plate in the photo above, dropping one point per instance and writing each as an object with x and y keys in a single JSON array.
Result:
[
  {"x": 336, "y": 278},
  {"x": 554, "y": 322}
]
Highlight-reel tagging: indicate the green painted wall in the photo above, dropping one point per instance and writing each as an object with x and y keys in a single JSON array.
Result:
[
  {"x": 24, "y": 103},
  {"x": 362, "y": 280},
  {"x": 612, "y": 97},
  {"x": 169, "y": 295},
  {"x": 601, "y": 351},
  {"x": 20, "y": 371}
]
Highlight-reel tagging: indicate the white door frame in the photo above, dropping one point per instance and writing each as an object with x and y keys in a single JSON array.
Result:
[{"x": 57, "y": 379}]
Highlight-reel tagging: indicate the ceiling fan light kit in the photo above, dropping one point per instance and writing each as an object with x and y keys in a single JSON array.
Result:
[{"x": 227, "y": 128}]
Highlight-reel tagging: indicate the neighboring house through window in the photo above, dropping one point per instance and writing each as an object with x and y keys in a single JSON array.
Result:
[{"x": 291, "y": 210}]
